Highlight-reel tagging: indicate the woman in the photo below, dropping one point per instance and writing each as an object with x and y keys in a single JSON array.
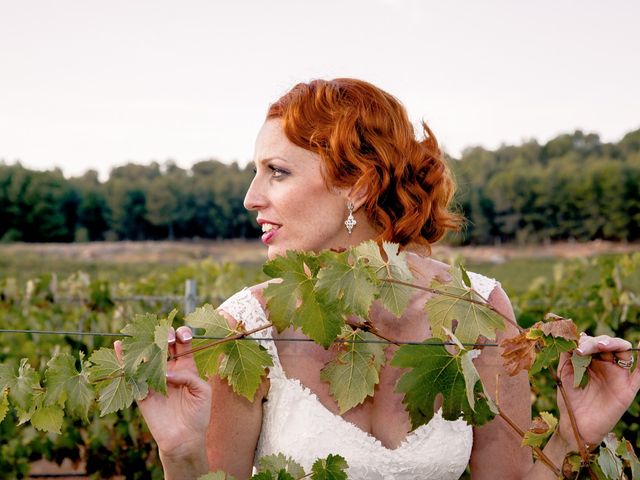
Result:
[{"x": 336, "y": 164}]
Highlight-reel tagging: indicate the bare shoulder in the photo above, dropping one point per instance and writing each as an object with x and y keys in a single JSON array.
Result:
[{"x": 425, "y": 269}]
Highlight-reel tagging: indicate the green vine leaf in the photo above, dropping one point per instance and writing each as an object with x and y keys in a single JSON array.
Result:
[
  {"x": 243, "y": 365},
  {"x": 270, "y": 475},
  {"x": 215, "y": 325},
  {"x": 4, "y": 404},
  {"x": 331, "y": 468},
  {"x": 145, "y": 351},
  {"x": 354, "y": 372},
  {"x": 626, "y": 452},
  {"x": 320, "y": 319},
  {"x": 435, "y": 371},
  {"x": 541, "y": 429},
  {"x": 21, "y": 383},
  {"x": 571, "y": 464},
  {"x": 213, "y": 322},
  {"x": 608, "y": 461},
  {"x": 278, "y": 462},
  {"x": 296, "y": 285},
  {"x": 48, "y": 418},
  {"x": 393, "y": 266},
  {"x": 208, "y": 359},
  {"x": 457, "y": 304},
  {"x": 550, "y": 349},
  {"x": 117, "y": 389},
  {"x": 345, "y": 277},
  {"x": 42, "y": 417},
  {"x": 471, "y": 375},
  {"x": 295, "y": 301},
  {"x": 66, "y": 386},
  {"x": 580, "y": 364}
]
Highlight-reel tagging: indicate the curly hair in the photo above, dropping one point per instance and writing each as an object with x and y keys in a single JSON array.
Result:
[{"x": 365, "y": 140}]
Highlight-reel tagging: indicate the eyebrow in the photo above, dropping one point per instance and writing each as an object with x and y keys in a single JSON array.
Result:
[{"x": 268, "y": 159}]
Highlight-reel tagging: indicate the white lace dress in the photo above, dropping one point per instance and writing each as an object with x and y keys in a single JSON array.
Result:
[{"x": 296, "y": 424}]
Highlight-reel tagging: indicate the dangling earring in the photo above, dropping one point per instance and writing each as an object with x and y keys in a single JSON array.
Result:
[{"x": 350, "y": 222}]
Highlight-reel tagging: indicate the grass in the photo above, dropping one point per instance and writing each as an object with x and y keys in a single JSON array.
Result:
[
  {"x": 516, "y": 275},
  {"x": 23, "y": 262}
]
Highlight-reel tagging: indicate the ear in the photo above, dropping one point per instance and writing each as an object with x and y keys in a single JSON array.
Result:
[{"x": 357, "y": 196}]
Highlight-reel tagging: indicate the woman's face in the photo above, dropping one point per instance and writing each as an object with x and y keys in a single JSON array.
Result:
[{"x": 295, "y": 208}]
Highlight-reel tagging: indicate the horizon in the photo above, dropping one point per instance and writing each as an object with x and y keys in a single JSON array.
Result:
[{"x": 162, "y": 163}]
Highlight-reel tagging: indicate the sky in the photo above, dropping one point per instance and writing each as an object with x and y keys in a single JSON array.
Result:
[{"x": 88, "y": 84}]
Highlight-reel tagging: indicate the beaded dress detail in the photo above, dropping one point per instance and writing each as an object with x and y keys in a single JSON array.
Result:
[{"x": 296, "y": 424}]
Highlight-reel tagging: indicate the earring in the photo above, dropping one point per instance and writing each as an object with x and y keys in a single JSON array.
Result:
[{"x": 350, "y": 222}]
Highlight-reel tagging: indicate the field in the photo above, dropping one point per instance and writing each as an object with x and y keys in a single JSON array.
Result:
[
  {"x": 595, "y": 283},
  {"x": 515, "y": 266}
]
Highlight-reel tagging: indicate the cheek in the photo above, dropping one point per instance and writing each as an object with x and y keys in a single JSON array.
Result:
[{"x": 309, "y": 201}]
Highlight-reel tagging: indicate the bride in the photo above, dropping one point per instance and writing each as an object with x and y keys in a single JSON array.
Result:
[{"x": 337, "y": 163}]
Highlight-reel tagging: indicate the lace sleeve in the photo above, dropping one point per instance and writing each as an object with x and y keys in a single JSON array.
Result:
[{"x": 483, "y": 285}]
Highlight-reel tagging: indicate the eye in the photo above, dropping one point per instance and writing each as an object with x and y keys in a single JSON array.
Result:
[
  {"x": 254, "y": 170},
  {"x": 277, "y": 172}
]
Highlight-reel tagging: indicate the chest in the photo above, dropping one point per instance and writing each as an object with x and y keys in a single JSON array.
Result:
[{"x": 383, "y": 415}]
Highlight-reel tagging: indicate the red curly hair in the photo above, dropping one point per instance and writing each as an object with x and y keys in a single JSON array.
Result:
[{"x": 365, "y": 139}]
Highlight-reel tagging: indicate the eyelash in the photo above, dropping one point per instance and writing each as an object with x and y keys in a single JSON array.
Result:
[{"x": 276, "y": 172}]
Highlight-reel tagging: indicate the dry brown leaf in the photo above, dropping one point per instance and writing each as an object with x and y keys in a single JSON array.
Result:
[
  {"x": 519, "y": 353},
  {"x": 538, "y": 425},
  {"x": 557, "y": 326}
]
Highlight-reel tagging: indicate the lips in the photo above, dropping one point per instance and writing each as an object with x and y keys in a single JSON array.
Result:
[{"x": 269, "y": 230}]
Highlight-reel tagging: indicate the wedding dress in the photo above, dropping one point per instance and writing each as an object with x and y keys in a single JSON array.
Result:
[{"x": 296, "y": 424}]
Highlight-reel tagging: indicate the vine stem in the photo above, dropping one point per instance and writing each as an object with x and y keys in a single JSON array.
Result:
[
  {"x": 484, "y": 303},
  {"x": 368, "y": 327},
  {"x": 584, "y": 455},
  {"x": 237, "y": 336},
  {"x": 539, "y": 453}
]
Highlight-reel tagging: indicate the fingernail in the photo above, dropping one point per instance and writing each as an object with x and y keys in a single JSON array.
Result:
[
  {"x": 186, "y": 336},
  {"x": 170, "y": 374},
  {"x": 172, "y": 336},
  {"x": 604, "y": 343},
  {"x": 580, "y": 351}
]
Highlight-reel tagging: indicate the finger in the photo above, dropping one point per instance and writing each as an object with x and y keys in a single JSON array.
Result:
[
  {"x": 171, "y": 340},
  {"x": 605, "y": 345},
  {"x": 191, "y": 380},
  {"x": 183, "y": 340},
  {"x": 117, "y": 346}
]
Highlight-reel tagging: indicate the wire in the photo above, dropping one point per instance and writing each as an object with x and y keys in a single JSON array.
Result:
[
  {"x": 208, "y": 337},
  {"x": 268, "y": 339}
]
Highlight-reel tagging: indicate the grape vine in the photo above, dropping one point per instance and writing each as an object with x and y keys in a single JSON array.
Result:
[{"x": 322, "y": 295}]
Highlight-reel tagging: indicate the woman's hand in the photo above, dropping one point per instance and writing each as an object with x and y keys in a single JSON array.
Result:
[
  {"x": 179, "y": 420},
  {"x": 609, "y": 393}
]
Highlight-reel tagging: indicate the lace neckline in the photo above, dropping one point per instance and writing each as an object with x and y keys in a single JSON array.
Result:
[{"x": 340, "y": 421}]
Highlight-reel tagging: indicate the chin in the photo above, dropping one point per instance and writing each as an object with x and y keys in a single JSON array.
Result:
[{"x": 273, "y": 252}]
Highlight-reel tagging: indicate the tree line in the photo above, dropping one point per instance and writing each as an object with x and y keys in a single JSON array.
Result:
[
  {"x": 137, "y": 202},
  {"x": 573, "y": 187}
]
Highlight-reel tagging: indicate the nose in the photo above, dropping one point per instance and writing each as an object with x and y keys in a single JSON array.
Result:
[{"x": 254, "y": 199}]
